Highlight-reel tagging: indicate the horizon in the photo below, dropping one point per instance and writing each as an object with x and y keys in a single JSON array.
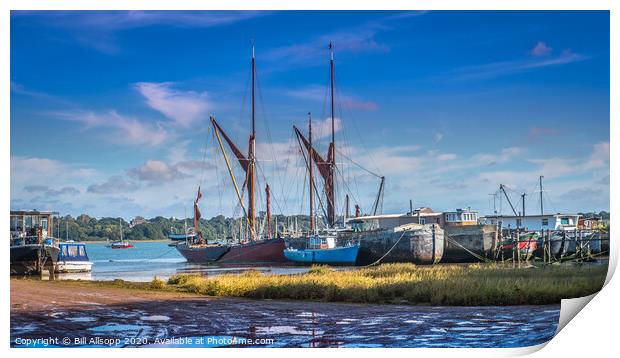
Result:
[{"x": 109, "y": 109}]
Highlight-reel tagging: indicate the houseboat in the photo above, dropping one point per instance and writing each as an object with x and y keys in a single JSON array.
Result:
[{"x": 33, "y": 247}]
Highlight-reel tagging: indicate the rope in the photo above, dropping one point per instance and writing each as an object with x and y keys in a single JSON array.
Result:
[
  {"x": 451, "y": 240},
  {"x": 388, "y": 251}
]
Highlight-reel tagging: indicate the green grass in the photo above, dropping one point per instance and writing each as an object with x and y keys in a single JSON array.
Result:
[{"x": 459, "y": 285}]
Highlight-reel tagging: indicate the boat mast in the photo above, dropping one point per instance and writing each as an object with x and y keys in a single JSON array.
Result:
[
  {"x": 331, "y": 209},
  {"x": 310, "y": 172},
  {"x": 251, "y": 154},
  {"x": 542, "y": 211},
  {"x": 501, "y": 187},
  {"x": 120, "y": 227},
  {"x": 268, "y": 203}
]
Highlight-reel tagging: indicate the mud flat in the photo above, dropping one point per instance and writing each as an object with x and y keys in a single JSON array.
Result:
[{"x": 86, "y": 315}]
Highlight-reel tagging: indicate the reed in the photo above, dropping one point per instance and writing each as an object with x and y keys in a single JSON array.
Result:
[{"x": 459, "y": 285}]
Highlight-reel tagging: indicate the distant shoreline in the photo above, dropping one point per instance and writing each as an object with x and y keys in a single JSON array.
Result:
[{"x": 104, "y": 241}]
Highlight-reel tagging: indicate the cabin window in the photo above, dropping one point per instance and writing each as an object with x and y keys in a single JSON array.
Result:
[
  {"x": 64, "y": 251},
  {"x": 73, "y": 251},
  {"x": 564, "y": 221},
  {"x": 422, "y": 221},
  {"x": 82, "y": 251},
  {"x": 545, "y": 222}
]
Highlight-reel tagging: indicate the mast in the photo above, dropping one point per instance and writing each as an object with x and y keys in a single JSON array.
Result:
[
  {"x": 542, "y": 211},
  {"x": 251, "y": 151},
  {"x": 331, "y": 156},
  {"x": 346, "y": 208},
  {"x": 120, "y": 227},
  {"x": 310, "y": 172},
  {"x": 501, "y": 187},
  {"x": 268, "y": 203},
  {"x": 523, "y": 204}
]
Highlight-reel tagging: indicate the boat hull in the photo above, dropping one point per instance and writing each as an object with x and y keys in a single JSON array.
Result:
[
  {"x": 335, "y": 256},
  {"x": 469, "y": 243},
  {"x": 259, "y": 252},
  {"x": 419, "y": 244},
  {"x": 31, "y": 259},
  {"x": 73, "y": 266},
  {"x": 202, "y": 254}
]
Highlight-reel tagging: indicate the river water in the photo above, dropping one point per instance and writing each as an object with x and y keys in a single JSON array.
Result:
[{"x": 150, "y": 259}]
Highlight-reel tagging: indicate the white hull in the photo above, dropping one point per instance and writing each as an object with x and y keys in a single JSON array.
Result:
[{"x": 73, "y": 266}]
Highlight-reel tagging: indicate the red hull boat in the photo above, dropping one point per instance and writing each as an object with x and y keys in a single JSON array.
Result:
[
  {"x": 258, "y": 252},
  {"x": 121, "y": 245}
]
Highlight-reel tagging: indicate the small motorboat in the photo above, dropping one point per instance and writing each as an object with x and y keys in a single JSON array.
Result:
[{"x": 73, "y": 258}]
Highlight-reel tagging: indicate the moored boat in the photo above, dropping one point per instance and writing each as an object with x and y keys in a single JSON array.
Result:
[
  {"x": 206, "y": 253},
  {"x": 120, "y": 244},
  {"x": 72, "y": 257},
  {"x": 268, "y": 251},
  {"x": 323, "y": 250},
  {"x": 416, "y": 243},
  {"x": 33, "y": 248}
]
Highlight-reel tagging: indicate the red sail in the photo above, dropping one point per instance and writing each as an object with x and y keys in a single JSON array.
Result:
[
  {"x": 325, "y": 169},
  {"x": 197, "y": 211}
]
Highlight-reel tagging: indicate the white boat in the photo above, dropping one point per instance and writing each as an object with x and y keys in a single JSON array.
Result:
[{"x": 73, "y": 258}]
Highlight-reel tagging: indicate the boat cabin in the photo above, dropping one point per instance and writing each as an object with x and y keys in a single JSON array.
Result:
[
  {"x": 31, "y": 226},
  {"x": 71, "y": 251},
  {"x": 534, "y": 222},
  {"x": 324, "y": 242}
]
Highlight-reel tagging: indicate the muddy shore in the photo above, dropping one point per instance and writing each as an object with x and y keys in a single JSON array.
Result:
[{"x": 77, "y": 314}]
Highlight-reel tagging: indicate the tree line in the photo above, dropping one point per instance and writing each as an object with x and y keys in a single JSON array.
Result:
[{"x": 217, "y": 228}]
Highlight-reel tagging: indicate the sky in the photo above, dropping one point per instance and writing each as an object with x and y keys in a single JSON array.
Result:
[{"x": 110, "y": 109}]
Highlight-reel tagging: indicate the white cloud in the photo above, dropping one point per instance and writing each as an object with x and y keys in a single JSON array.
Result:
[
  {"x": 126, "y": 130},
  {"x": 156, "y": 172},
  {"x": 183, "y": 107}
]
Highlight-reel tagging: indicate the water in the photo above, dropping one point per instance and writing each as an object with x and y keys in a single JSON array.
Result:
[{"x": 149, "y": 259}]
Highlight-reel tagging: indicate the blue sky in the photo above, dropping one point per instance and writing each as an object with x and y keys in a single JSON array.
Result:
[{"x": 109, "y": 110}]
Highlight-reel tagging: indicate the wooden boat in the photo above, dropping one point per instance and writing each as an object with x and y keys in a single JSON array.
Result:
[
  {"x": 195, "y": 248},
  {"x": 320, "y": 249},
  {"x": 255, "y": 248},
  {"x": 525, "y": 245},
  {"x": 415, "y": 243},
  {"x": 206, "y": 253},
  {"x": 73, "y": 258},
  {"x": 269, "y": 251},
  {"x": 27, "y": 259},
  {"x": 323, "y": 250}
]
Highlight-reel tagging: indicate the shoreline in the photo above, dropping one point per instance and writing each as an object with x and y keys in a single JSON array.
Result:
[{"x": 104, "y": 241}]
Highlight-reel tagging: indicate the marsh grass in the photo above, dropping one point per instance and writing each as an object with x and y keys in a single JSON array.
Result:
[{"x": 459, "y": 285}]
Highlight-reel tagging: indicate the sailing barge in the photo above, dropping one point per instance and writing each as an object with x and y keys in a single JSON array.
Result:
[{"x": 257, "y": 249}]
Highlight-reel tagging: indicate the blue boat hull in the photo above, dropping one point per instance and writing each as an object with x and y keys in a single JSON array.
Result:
[{"x": 336, "y": 256}]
